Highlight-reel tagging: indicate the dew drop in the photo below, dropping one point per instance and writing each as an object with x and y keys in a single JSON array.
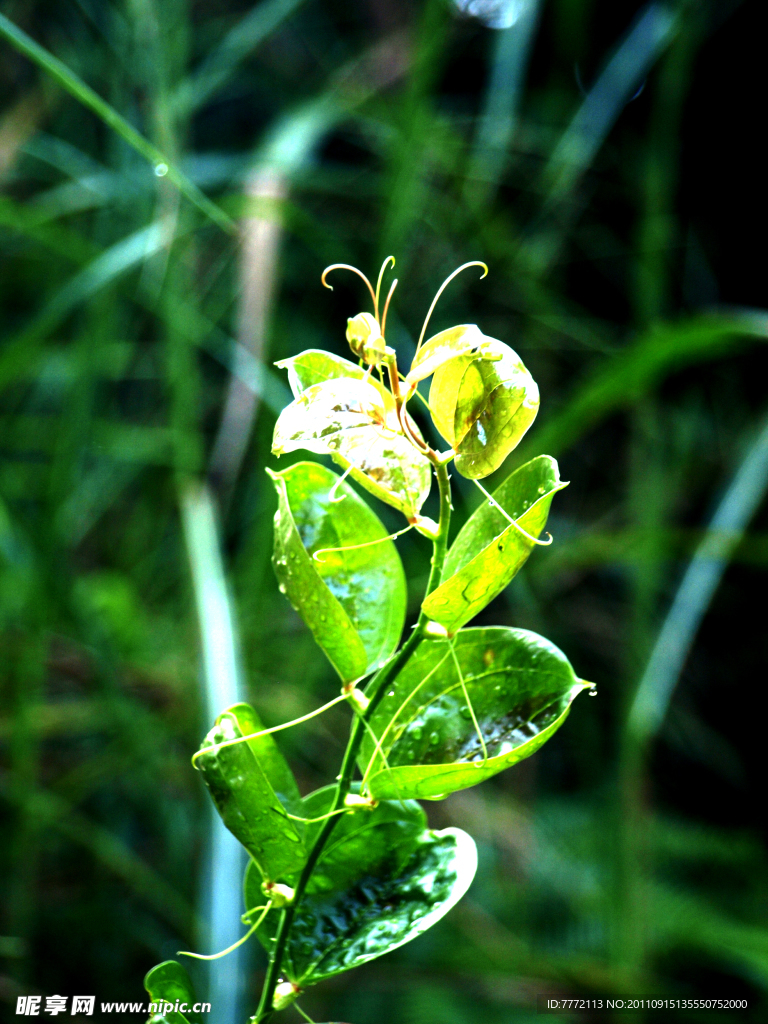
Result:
[
  {"x": 161, "y": 170},
  {"x": 465, "y": 713},
  {"x": 434, "y": 739},
  {"x": 417, "y": 732},
  {"x": 593, "y": 692},
  {"x": 391, "y": 693}
]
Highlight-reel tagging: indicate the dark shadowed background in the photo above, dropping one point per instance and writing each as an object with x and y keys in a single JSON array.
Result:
[{"x": 603, "y": 159}]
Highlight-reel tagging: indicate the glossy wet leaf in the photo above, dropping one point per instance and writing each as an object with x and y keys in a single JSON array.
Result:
[
  {"x": 352, "y": 421},
  {"x": 382, "y": 880},
  {"x": 483, "y": 405},
  {"x": 245, "y": 797},
  {"x": 300, "y": 580},
  {"x": 167, "y": 983},
  {"x": 462, "y": 340},
  {"x": 271, "y": 760},
  {"x": 489, "y": 551},
  {"x": 353, "y": 601},
  {"x": 520, "y": 685}
]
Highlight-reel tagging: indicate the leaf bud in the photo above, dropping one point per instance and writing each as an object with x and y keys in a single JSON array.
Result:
[
  {"x": 285, "y": 993},
  {"x": 355, "y": 802},
  {"x": 280, "y": 895},
  {"x": 365, "y": 338},
  {"x": 426, "y": 527},
  {"x": 356, "y": 698}
]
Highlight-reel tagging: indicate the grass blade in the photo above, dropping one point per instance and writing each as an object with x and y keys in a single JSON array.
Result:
[
  {"x": 697, "y": 589},
  {"x": 113, "y": 262},
  {"x": 74, "y": 85},
  {"x": 223, "y": 687},
  {"x": 499, "y": 118},
  {"x": 241, "y": 40},
  {"x": 613, "y": 89},
  {"x": 624, "y": 378}
]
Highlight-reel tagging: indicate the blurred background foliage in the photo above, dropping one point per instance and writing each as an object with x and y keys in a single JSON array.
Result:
[{"x": 603, "y": 159}]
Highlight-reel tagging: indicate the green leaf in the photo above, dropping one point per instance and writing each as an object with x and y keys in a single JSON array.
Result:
[
  {"x": 167, "y": 983},
  {"x": 351, "y": 420},
  {"x": 382, "y": 880},
  {"x": 489, "y": 551},
  {"x": 520, "y": 687},
  {"x": 271, "y": 761},
  {"x": 483, "y": 404},
  {"x": 314, "y": 365},
  {"x": 463, "y": 340},
  {"x": 244, "y": 791},
  {"x": 354, "y": 601}
]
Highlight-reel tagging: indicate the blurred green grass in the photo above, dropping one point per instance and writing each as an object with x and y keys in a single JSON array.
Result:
[{"x": 601, "y": 159}]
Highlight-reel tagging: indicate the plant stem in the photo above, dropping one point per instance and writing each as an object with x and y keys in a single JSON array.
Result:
[{"x": 376, "y": 690}]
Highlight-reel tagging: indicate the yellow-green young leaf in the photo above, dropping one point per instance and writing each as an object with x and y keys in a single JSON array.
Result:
[
  {"x": 351, "y": 421},
  {"x": 353, "y": 600},
  {"x": 314, "y": 365},
  {"x": 520, "y": 688},
  {"x": 323, "y": 413},
  {"x": 388, "y": 466},
  {"x": 168, "y": 984},
  {"x": 462, "y": 340},
  {"x": 382, "y": 880},
  {"x": 489, "y": 550},
  {"x": 243, "y": 789},
  {"x": 483, "y": 404}
]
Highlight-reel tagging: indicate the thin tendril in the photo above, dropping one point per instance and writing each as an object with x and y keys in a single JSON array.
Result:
[
  {"x": 379, "y": 743},
  {"x": 378, "y": 288},
  {"x": 325, "y": 817},
  {"x": 216, "y": 747},
  {"x": 246, "y": 917},
  {"x": 333, "y": 493},
  {"x": 441, "y": 289},
  {"x": 215, "y": 956},
  {"x": 400, "y": 798},
  {"x": 469, "y": 702},
  {"x": 517, "y": 526},
  {"x": 423, "y": 399},
  {"x": 367, "y": 544},
  {"x": 386, "y": 306},
  {"x": 304, "y": 1015},
  {"x": 346, "y": 266}
]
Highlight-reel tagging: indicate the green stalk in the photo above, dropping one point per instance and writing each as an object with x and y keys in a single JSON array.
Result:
[{"x": 377, "y": 689}]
